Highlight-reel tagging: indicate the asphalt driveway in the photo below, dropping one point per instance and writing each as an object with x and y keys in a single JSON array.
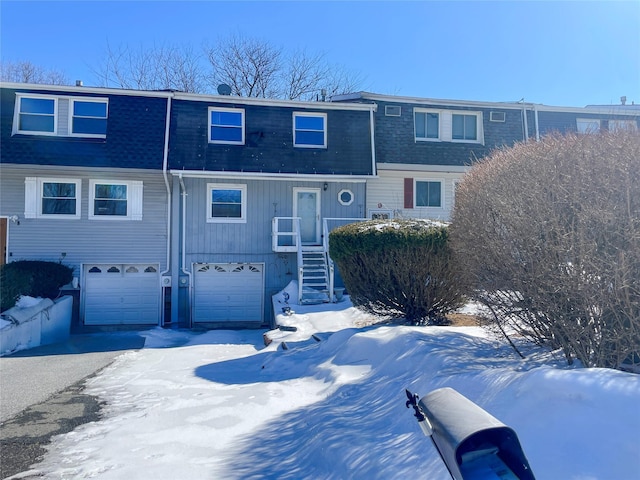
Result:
[{"x": 41, "y": 393}]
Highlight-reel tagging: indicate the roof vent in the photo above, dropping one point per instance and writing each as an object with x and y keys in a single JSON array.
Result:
[
  {"x": 623, "y": 100},
  {"x": 79, "y": 83}
]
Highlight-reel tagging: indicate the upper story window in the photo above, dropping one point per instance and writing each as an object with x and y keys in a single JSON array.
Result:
[
  {"x": 448, "y": 125},
  {"x": 616, "y": 125},
  {"x": 52, "y": 197},
  {"x": 115, "y": 200},
  {"x": 226, "y": 125},
  {"x": 227, "y": 203},
  {"x": 464, "y": 127},
  {"x": 587, "y": 125},
  {"x": 310, "y": 130},
  {"x": 427, "y": 125},
  {"x": 89, "y": 117},
  {"x": 60, "y": 116},
  {"x": 36, "y": 115}
]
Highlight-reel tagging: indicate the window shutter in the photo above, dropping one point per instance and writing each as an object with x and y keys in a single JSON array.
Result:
[
  {"x": 30, "y": 197},
  {"x": 136, "y": 200},
  {"x": 408, "y": 193}
]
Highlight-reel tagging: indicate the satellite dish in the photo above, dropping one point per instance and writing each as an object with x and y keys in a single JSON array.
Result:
[{"x": 224, "y": 89}]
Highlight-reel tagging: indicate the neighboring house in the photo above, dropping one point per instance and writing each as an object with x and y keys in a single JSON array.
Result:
[
  {"x": 257, "y": 185},
  {"x": 81, "y": 182},
  {"x": 425, "y": 146}
]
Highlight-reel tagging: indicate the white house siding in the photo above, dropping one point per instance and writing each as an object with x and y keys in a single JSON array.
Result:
[
  {"x": 386, "y": 192},
  {"x": 251, "y": 242},
  {"x": 80, "y": 241}
]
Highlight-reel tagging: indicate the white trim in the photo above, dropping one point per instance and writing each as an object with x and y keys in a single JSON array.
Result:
[
  {"x": 36, "y": 195},
  {"x": 24, "y": 87},
  {"x": 324, "y": 132},
  {"x": 413, "y": 167},
  {"x": 346, "y": 190},
  {"x": 310, "y": 177},
  {"x": 226, "y": 109},
  {"x": 415, "y": 193},
  {"x": 297, "y": 190},
  {"x": 16, "y": 114},
  {"x": 72, "y": 101},
  {"x": 243, "y": 202},
  {"x": 445, "y": 125},
  {"x": 134, "y": 200}
]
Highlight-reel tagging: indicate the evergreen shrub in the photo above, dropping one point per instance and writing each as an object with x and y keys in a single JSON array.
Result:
[
  {"x": 401, "y": 268},
  {"x": 34, "y": 278}
]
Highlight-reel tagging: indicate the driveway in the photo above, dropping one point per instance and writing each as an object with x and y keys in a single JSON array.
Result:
[{"x": 41, "y": 392}]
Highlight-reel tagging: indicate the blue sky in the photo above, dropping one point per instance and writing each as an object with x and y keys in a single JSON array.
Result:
[{"x": 555, "y": 53}]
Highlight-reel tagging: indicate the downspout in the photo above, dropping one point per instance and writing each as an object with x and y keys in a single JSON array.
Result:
[
  {"x": 183, "y": 258},
  {"x": 535, "y": 114},
  {"x": 526, "y": 123},
  {"x": 165, "y": 163},
  {"x": 373, "y": 142}
]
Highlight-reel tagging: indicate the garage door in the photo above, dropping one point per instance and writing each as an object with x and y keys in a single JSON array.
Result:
[
  {"x": 228, "y": 292},
  {"x": 122, "y": 294}
]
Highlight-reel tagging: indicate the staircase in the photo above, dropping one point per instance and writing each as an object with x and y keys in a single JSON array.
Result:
[{"x": 314, "y": 275}]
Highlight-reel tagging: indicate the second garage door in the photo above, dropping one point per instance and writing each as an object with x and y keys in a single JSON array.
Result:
[{"x": 228, "y": 292}]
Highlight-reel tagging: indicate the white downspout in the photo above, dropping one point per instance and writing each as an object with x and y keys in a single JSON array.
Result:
[
  {"x": 165, "y": 163},
  {"x": 526, "y": 123},
  {"x": 535, "y": 114},
  {"x": 183, "y": 258},
  {"x": 373, "y": 142}
]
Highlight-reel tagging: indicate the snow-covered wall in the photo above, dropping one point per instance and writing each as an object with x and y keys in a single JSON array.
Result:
[{"x": 40, "y": 323}]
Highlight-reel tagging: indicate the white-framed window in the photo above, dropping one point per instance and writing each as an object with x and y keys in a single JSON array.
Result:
[
  {"x": 52, "y": 197},
  {"x": 428, "y": 193},
  {"x": 115, "y": 200},
  {"x": 309, "y": 130},
  {"x": 36, "y": 115},
  {"x": 587, "y": 125},
  {"x": 88, "y": 117},
  {"x": 464, "y": 127},
  {"x": 392, "y": 110},
  {"x": 226, "y": 203},
  {"x": 346, "y": 197},
  {"x": 448, "y": 125},
  {"x": 427, "y": 124},
  {"x": 616, "y": 125},
  {"x": 226, "y": 125}
]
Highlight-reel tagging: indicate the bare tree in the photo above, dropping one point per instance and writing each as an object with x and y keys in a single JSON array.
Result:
[
  {"x": 163, "y": 67},
  {"x": 27, "y": 72},
  {"x": 249, "y": 66}
]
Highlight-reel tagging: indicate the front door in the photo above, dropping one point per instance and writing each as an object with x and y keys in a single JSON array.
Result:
[{"x": 306, "y": 205}]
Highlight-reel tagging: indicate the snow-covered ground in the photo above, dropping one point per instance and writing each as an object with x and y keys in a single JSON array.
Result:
[{"x": 221, "y": 405}]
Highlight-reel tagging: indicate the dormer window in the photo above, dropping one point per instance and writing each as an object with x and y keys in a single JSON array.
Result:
[
  {"x": 60, "y": 116},
  {"x": 309, "y": 130},
  {"x": 226, "y": 125},
  {"x": 36, "y": 115},
  {"x": 89, "y": 117}
]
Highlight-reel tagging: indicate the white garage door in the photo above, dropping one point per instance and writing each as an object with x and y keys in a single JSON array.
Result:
[
  {"x": 121, "y": 294},
  {"x": 228, "y": 292}
]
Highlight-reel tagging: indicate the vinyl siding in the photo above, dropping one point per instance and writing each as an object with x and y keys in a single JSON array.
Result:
[
  {"x": 388, "y": 191},
  {"x": 251, "y": 241},
  {"x": 85, "y": 240}
]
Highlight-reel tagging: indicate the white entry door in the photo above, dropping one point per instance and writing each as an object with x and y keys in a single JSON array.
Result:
[{"x": 306, "y": 205}]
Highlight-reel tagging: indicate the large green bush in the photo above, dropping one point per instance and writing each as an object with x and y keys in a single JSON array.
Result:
[
  {"x": 548, "y": 234},
  {"x": 34, "y": 278},
  {"x": 400, "y": 267}
]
